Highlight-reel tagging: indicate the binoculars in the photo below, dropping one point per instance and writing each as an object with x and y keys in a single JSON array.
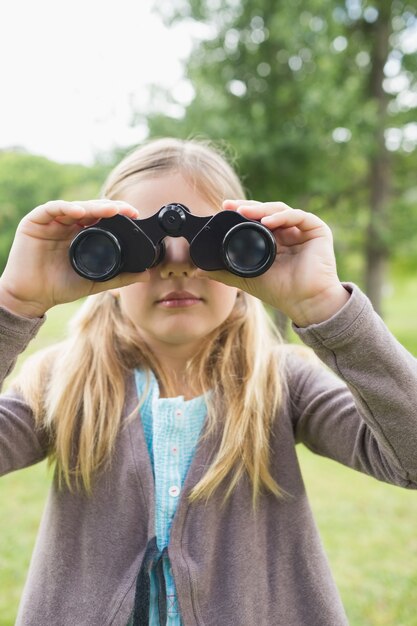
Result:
[{"x": 223, "y": 241}]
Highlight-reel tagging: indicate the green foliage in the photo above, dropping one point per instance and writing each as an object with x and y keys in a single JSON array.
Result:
[
  {"x": 27, "y": 181},
  {"x": 275, "y": 80}
]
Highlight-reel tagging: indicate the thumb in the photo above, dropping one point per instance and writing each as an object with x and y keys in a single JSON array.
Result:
[
  {"x": 198, "y": 273},
  {"x": 122, "y": 280},
  {"x": 222, "y": 276}
]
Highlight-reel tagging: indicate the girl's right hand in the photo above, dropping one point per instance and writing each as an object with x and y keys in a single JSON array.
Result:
[{"x": 38, "y": 274}]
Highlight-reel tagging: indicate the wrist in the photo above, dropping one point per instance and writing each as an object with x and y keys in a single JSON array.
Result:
[
  {"x": 321, "y": 307},
  {"x": 19, "y": 307}
]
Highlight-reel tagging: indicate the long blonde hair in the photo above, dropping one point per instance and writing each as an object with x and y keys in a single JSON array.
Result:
[{"x": 77, "y": 389}]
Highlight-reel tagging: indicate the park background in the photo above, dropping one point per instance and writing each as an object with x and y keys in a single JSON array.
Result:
[{"x": 315, "y": 103}]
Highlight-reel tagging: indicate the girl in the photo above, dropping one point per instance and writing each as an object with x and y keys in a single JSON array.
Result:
[{"x": 192, "y": 511}]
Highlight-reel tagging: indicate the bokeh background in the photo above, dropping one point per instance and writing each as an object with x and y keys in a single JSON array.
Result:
[{"x": 315, "y": 103}]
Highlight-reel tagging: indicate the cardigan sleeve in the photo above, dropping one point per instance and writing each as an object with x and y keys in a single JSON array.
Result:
[
  {"x": 21, "y": 443},
  {"x": 365, "y": 416}
]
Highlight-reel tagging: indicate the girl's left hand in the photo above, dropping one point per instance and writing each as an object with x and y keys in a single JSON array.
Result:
[{"x": 303, "y": 281}]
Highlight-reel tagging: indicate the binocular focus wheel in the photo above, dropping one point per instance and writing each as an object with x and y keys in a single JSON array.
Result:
[
  {"x": 249, "y": 249},
  {"x": 96, "y": 254}
]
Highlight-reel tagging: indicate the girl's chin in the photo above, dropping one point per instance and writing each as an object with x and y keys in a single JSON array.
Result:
[{"x": 180, "y": 334}]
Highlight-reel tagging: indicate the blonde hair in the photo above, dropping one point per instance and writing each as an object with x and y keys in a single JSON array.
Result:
[{"x": 77, "y": 389}]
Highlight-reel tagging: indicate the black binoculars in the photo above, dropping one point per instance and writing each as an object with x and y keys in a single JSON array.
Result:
[{"x": 225, "y": 240}]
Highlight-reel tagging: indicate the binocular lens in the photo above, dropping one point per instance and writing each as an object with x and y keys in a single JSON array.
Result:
[
  {"x": 97, "y": 255},
  {"x": 247, "y": 250}
]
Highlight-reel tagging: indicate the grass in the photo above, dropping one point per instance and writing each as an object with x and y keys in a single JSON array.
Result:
[
  {"x": 367, "y": 527},
  {"x": 400, "y": 310},
  {"x": 368, "y": 530}
]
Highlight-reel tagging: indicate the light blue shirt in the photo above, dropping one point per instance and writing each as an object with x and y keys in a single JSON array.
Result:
[{"x": 172, "y": 428}]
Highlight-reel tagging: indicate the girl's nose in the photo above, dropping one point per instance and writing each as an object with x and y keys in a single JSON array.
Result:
[{"x": 177, "y": 261}]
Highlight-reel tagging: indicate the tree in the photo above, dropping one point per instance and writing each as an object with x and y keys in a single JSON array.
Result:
[
  {"x": 307, "y": 95},
  {"x": 27, "y": 180}
]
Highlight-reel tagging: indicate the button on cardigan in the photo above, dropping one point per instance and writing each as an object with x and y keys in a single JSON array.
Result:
[{"x": 232, "y": 566}]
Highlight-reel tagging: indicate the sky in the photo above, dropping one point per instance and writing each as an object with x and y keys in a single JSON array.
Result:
[{"x": 71, "y": 73}]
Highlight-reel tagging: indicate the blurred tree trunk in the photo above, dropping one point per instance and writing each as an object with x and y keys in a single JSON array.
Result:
[{"x": 376, "y": 248}]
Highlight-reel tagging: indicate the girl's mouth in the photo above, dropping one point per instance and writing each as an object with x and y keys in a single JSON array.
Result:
[{"x": 178, "y": 299}]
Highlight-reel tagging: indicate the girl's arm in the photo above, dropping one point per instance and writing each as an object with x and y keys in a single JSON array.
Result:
[
  {"x": 38, "y": 275},
  {"x": 370, "y": 423},
  {"x": 21, "y": 443}
]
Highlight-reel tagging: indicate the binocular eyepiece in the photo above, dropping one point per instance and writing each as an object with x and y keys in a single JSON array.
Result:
[{"x": 225, "y": 240}]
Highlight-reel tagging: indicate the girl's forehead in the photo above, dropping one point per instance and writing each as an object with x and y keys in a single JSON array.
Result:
[{"x": 148, "y": 194}]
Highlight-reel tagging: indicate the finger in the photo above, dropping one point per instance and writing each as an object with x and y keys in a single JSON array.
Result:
[
  {"x": 291, "y": 236},
  {"x": 67, "y": 212},
  {"x": 83, "y": 213},
  {"x": 258, "y": 210},
  {"x": 124, "y": 208},
  {"x": 107, "y": 208},
  {"x": 222, "y": 276},
  {"x": 98, "y": 209},
  {"x": 233, "y": 205},
  {"x": 88, "y": 221},
  {"x": 294, "y": 217},
  {"x": 122, "y": 280}
]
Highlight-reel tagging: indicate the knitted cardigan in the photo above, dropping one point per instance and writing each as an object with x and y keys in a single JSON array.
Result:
[{"x": 232, "y": 566}]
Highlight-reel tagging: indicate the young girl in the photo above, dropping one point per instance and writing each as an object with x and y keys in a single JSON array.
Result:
[{"x": 192, "y": 510}]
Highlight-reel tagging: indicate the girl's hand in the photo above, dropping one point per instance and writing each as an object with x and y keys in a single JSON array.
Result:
[
  {"x": 38, "y": 274},
  {"x": 303, "y": 281}
]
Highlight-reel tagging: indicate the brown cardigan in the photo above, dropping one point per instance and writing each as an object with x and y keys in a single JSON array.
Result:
[{"x": 231, "y": 567}]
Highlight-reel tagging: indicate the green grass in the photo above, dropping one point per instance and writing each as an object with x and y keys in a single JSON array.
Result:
[
  {"x": 369, "y": 533},
  {"x": 22, "y": 496},
  {"x": 368, "y": 528},
  {"x": 400, "y": 310}
]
